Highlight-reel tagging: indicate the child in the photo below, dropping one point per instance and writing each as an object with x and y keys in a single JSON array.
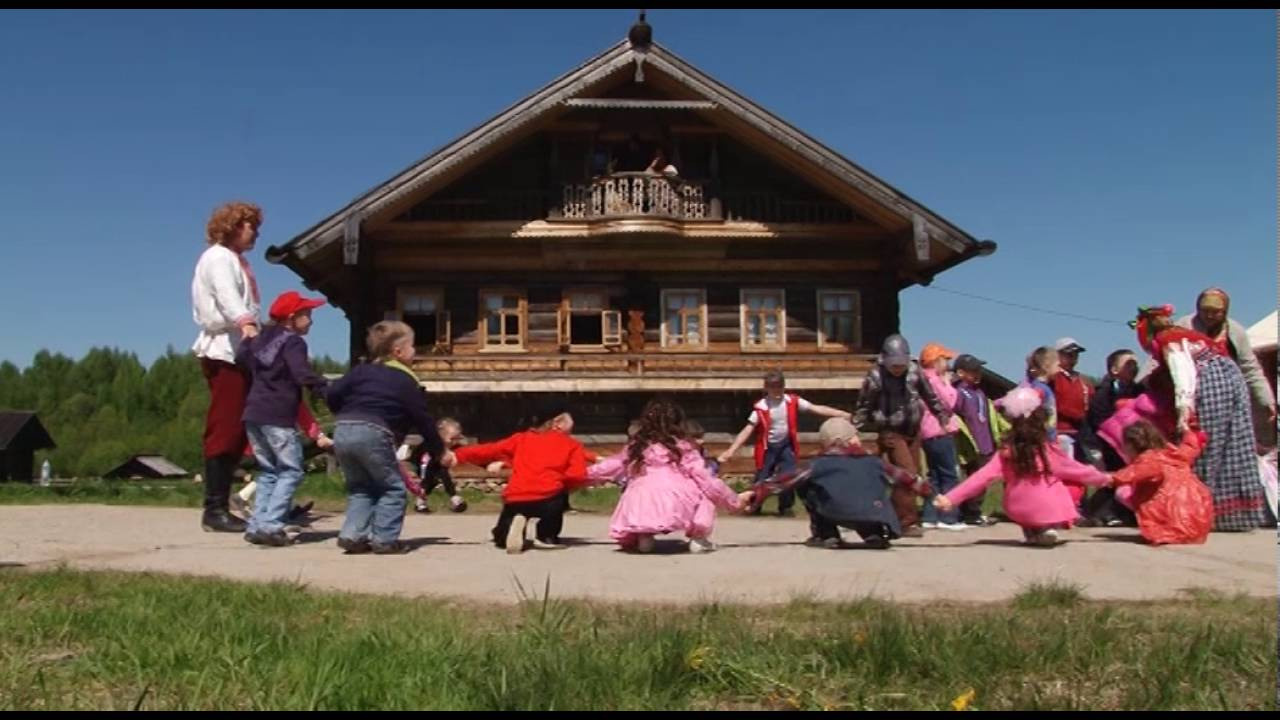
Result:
[
  {"x": 377, "y": 403},
  {"x": 432, "y": 473},
  {"x": 1035, "y": 471},
  {"x": 982, "y": 430},
  {"x": 1042, "y": 366},
  {"x": 889, "y": 403},
  {"x": 848, "y": 487},
  {"x": 1172, "y": 505},
  {"x": 695, "y": 434},
  {"x": 546, "y": 464},
  {"x": 276, "y": 360},
  {"x": 1071, "y": 395},
  {"x": 938, "y": 439},
  {"x": 1117, "y": 387},
  {"x": 669, "y": 488},
  {"x": 778, "y": 441},
  {"x": 242, "y": 501}
]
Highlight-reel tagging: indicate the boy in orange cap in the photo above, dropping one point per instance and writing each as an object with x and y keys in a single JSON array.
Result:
[{"x": 937, "y": 439}]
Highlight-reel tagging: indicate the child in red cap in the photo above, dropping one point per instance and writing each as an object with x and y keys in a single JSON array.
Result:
[{"x": 277, "y": 362}]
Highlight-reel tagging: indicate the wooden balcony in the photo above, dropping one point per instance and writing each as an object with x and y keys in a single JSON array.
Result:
[
  {"x": 635, "y": 195},
  {"x": 617, "y": 372}
]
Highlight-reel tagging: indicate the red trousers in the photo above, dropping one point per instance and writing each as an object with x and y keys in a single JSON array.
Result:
[
  {"x": 223, "y": 426},
  {"x": 902, "y": 451}
]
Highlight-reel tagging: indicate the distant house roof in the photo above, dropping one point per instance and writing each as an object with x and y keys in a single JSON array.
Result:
[
  {"x": 148, "y": 466},
  {"x": 22, "y": 428}
]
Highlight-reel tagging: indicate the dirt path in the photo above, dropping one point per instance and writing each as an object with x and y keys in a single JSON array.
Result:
[{"x": 761, "y": 560}]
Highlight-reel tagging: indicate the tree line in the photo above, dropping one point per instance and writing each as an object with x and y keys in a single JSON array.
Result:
[{"x": 107, "y": 406}]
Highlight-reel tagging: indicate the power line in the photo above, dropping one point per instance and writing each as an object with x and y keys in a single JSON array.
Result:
[{"x": 1021, "y": 306}]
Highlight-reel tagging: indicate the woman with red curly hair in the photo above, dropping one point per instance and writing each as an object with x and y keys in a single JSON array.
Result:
[{"x": 225, "y": 304}]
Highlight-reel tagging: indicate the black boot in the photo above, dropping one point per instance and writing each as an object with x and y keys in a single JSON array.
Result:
[{"x": 217, "y": 516}]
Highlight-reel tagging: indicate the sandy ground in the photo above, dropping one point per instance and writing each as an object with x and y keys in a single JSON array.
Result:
[{"x": 760, "y": 560}]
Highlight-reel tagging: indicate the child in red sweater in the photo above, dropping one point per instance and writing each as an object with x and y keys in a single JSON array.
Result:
[{"x": 546, "y": 465}]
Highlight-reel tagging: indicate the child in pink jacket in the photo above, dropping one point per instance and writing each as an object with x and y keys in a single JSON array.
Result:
[
  {"x": 669, "y": 488},
  {"x": 1036, "y": 473},
  {"x": 938, "y": 440}
]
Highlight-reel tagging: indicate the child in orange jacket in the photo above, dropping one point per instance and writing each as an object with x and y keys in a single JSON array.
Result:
[{"x": 1172, "y": 505}]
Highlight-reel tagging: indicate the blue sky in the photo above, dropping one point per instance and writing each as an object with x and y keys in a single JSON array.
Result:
[{"x": 1118, "y": 158}]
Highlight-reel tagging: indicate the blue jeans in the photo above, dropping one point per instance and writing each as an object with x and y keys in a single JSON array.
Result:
[
  {"x": 940, "y": 454},
  {"x": 278, "y": 451},
  {"x": 375, "y": 487},
  {"x": 779, "y": 458}
]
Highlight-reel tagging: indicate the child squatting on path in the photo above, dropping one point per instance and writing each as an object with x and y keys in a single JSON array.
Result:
[
  {"x": 669, "y": 486},
  {"x": 847, "y": 487},
  {"x": 546, "y": 464},
  {"x": 377, "y": 403},
  {"x": 1035, "y": 470},
  {"x": 1160, "y": 486},
  {"x": 277, "y": 363}
]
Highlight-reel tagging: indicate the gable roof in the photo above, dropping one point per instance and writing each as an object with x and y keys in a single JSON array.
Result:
[
  {"x": 147, "y": 465},
  {"x": 15, "y": 424},
  {"x": 557, "y": 95}
]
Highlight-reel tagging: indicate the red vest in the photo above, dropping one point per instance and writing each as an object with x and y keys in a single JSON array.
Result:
[{"x": 762, "y": 427}]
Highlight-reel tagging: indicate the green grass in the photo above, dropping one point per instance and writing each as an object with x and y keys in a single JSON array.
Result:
[{"x": 88, "y": 640}]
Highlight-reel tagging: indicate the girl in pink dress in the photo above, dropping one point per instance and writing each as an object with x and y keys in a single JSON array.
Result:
[
  {"x": 669, "y": 488},
  {"x": 1036, "y": 473}
]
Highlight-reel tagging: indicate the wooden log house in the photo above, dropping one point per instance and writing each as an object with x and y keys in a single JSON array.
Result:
[{"x": 547, "y": 251}]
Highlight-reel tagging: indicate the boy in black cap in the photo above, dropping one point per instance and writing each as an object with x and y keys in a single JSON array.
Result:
[{"x": 981, "y": 431}]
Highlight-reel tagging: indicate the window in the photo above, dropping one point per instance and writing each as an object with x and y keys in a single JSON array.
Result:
[
  {"x": 684, "y": 319},
  {"x": 764, "y": 319},
  {"x": 502, "y": 319},
  {"x": 585, "y": 322},
  {"x": 423, "y": 310},
  {"x": 839, "y": 320}
]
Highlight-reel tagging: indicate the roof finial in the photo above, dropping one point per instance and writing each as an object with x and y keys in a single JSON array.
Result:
[{"x": 641, "y": 34}]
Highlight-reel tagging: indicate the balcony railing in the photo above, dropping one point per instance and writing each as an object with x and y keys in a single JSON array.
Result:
[
  {"x": 635, "y": 194},
  {"x": 656, "y": 364}
]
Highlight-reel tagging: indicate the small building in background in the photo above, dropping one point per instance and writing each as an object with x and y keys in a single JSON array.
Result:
[
  {"x": 147, "y": 467},
  {"x": 21, "y": 435}
]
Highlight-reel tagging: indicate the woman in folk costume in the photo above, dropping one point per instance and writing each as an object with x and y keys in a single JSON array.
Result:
[
  {"x": 1193, "y": 376},
  {"x": 1232, "y": 340}
]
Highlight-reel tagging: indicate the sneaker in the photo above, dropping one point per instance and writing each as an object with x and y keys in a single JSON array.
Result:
[
  {"x": 457, "y": 504},
  {"x": 395, "y": 547},
  {"x": 358, "y": 546},
  {"x": 420, "y": 505},
  {"x": 813, "y": 541},
  {"x": 929, "y": 525},
  {"x": 701, "y": 545},
  {"x": 514, "y": 542},
  {"x": 834, "y": 543},
  {"x": 954, "y": 527},
  {"x": 913, "y": 531},
  {"x": 1044, "y": 538},
  {"x": 298, "y": 514},
  {"x": 1115, "y": 522},
  {"x": 877, "y": 542},
  {"x": 273, "y": 539},
  {"x": 980, "y": 521},
  {"x": 645, "y": 544},
  {"x": 222, "y": 521},
  {"x": 540, "y": 544}
]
